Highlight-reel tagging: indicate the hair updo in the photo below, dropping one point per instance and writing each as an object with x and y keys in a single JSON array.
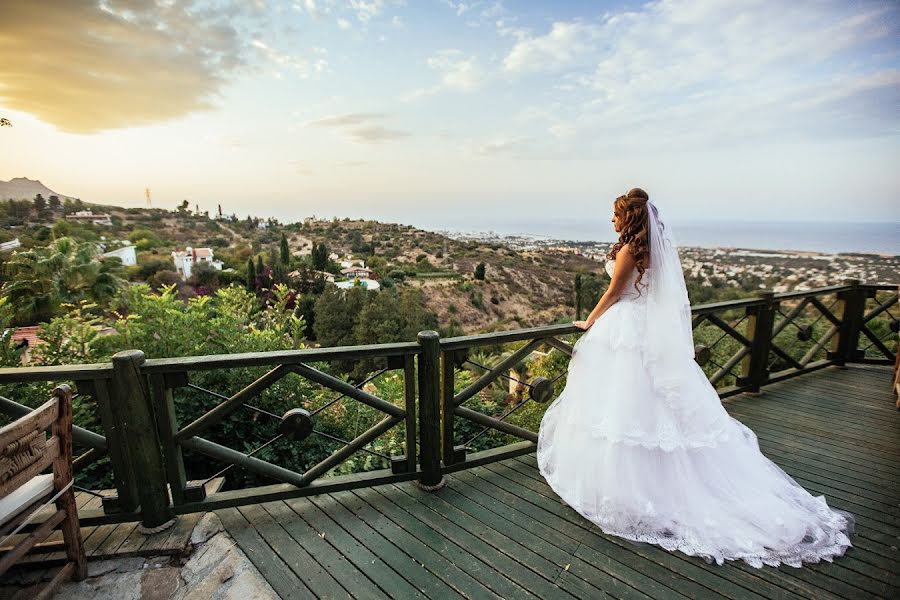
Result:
[{"x": 632, "y": 210}]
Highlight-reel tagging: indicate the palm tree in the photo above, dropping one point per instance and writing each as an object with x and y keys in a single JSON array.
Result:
[{"x": 67, "y": 271}]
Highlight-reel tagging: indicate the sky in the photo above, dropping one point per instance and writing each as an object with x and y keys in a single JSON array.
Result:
[{"x": 438, "y": 111}]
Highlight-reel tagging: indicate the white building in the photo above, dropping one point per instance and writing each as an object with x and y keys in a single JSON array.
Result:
[
  {"x": 186, "y": 259},
  {"x": 360, "y": 272},
  {"x": 352, "y": 262},
  {"x": 88, "y": 216},
  {"x": 10, "y": 245},
  {"x": 126, "y": 254}
]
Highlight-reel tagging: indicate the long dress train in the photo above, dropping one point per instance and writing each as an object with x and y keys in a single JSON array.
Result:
[{"x": 645, "y": 471}]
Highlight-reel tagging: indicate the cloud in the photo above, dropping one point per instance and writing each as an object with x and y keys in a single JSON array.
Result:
[
  {"x": 707, "y": 72},
  {"x": 559, "y": 48},
  {"x": 503, "y": 146},
  {"x": 302, "y": 66},
  {"x": 367, "y": 10},
  {"x": 458, "y": 73},
  {"x": 375, "y": 133},
  {"x": 460, "y": 8},
  {"x": 347, "y": 119},
  {"x": 496, "y": 9},
  {"x": 302, "y": 167},
  {"x": 473, "y": 16},
  {"x": 87, "y": 66},
  {"x": 360, "y": 127},
  {"x": 309, "y": 6},
  {"x": 228, "y": 140}
]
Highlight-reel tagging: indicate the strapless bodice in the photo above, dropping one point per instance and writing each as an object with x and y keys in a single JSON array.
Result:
[{"x": 630, "y": 293}]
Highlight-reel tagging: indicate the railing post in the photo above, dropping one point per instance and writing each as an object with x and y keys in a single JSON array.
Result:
[
  {"x": 578, "y": 296},
  {"x": 429, "y": 379},
  {"x": 853, "y": 306},
  {"x": 409, "y": 401},
  {"x": 761, "y": 319},
  {"x": 126, "y": 498},
  {"x": 167, "y": 426},
  {"x": 449, "y": 453},
  {"x": 133, "y": 407}
]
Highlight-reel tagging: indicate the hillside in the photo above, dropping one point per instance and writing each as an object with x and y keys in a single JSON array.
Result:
[
  {"x": 520, "y": 289},
  {"x": 524, "y": 285},
  {"x": 22, "y": 188}
]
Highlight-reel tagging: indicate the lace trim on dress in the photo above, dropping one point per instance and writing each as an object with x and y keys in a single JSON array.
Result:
[
  {"x": 826, "y": 540},
  {"x": 830, "y": 543}
]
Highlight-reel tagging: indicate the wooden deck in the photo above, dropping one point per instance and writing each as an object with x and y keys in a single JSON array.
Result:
[
  {"x": 116, "y": 540},
  {"x": 499, "y": 531}
]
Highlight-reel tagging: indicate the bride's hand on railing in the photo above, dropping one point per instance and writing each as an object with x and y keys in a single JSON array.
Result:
[{"x": 583, "y": 324}]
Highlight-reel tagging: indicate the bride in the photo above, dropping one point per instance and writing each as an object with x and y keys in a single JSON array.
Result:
[{"x": 638, "y": 441}]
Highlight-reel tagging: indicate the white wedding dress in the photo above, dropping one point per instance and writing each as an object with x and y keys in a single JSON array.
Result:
[{"x": 684, "y": 475}]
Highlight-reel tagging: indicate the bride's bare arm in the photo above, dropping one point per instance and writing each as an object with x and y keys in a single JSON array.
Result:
[{"x": 620, "y": 277}]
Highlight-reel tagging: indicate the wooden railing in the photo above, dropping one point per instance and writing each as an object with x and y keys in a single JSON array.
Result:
[{"x": 742, "y": 345}]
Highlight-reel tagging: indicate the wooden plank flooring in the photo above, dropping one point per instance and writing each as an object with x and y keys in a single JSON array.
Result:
[
  {"x": 116, "y": 540},
  {"x": 499, "y": 531}
]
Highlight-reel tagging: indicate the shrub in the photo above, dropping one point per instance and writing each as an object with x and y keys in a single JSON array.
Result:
[{"x": 479, "y": 271}]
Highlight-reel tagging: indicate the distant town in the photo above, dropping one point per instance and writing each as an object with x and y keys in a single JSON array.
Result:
[{"x": 777, "y": 270}]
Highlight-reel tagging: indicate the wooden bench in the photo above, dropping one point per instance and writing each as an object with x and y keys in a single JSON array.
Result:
[{"x": 25, "y": 452}]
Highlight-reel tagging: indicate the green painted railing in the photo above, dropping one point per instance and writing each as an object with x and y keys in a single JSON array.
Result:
[{"x": 743, "y": 345}]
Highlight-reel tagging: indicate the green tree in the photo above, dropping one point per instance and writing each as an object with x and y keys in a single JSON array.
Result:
[
  {"x": 70, "y": 338},
  {"x": 10, "y": 351},
  {"x": 40, "y": 280},
  {"x": 251, "y": 275},
  {"x": 204, "y": 275},
  {"x": 61, "y": 228},
  {"x": 394, "y": 316},
  {"x": 282, "y": 315},
  {"x": 319, "y": 256},
  {"x": 164, "y": 278},
  {"x": 306, "y": 307},
  {"x": 285, "y": 250},
  {"x": 337, "y": 312},
  {"x": 588, "y": 289},
  {"x": 144, "y": 239},
  {"x": 479, "y": 271},
  {"x": 279, "y": 273},
  {"x": 357, "y": 316}
]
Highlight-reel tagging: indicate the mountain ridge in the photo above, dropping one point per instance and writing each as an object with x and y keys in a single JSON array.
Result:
[{"x": 22, "y": 188}]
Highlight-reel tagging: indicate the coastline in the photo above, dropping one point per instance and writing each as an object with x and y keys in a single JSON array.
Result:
[{"x": 488, "y": 236}]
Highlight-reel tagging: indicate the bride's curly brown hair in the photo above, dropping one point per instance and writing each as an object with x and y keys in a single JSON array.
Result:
[{"x": 632, "y": 210}]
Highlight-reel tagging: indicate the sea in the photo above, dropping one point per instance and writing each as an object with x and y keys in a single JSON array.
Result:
[{"x": 806, "y": 236}]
